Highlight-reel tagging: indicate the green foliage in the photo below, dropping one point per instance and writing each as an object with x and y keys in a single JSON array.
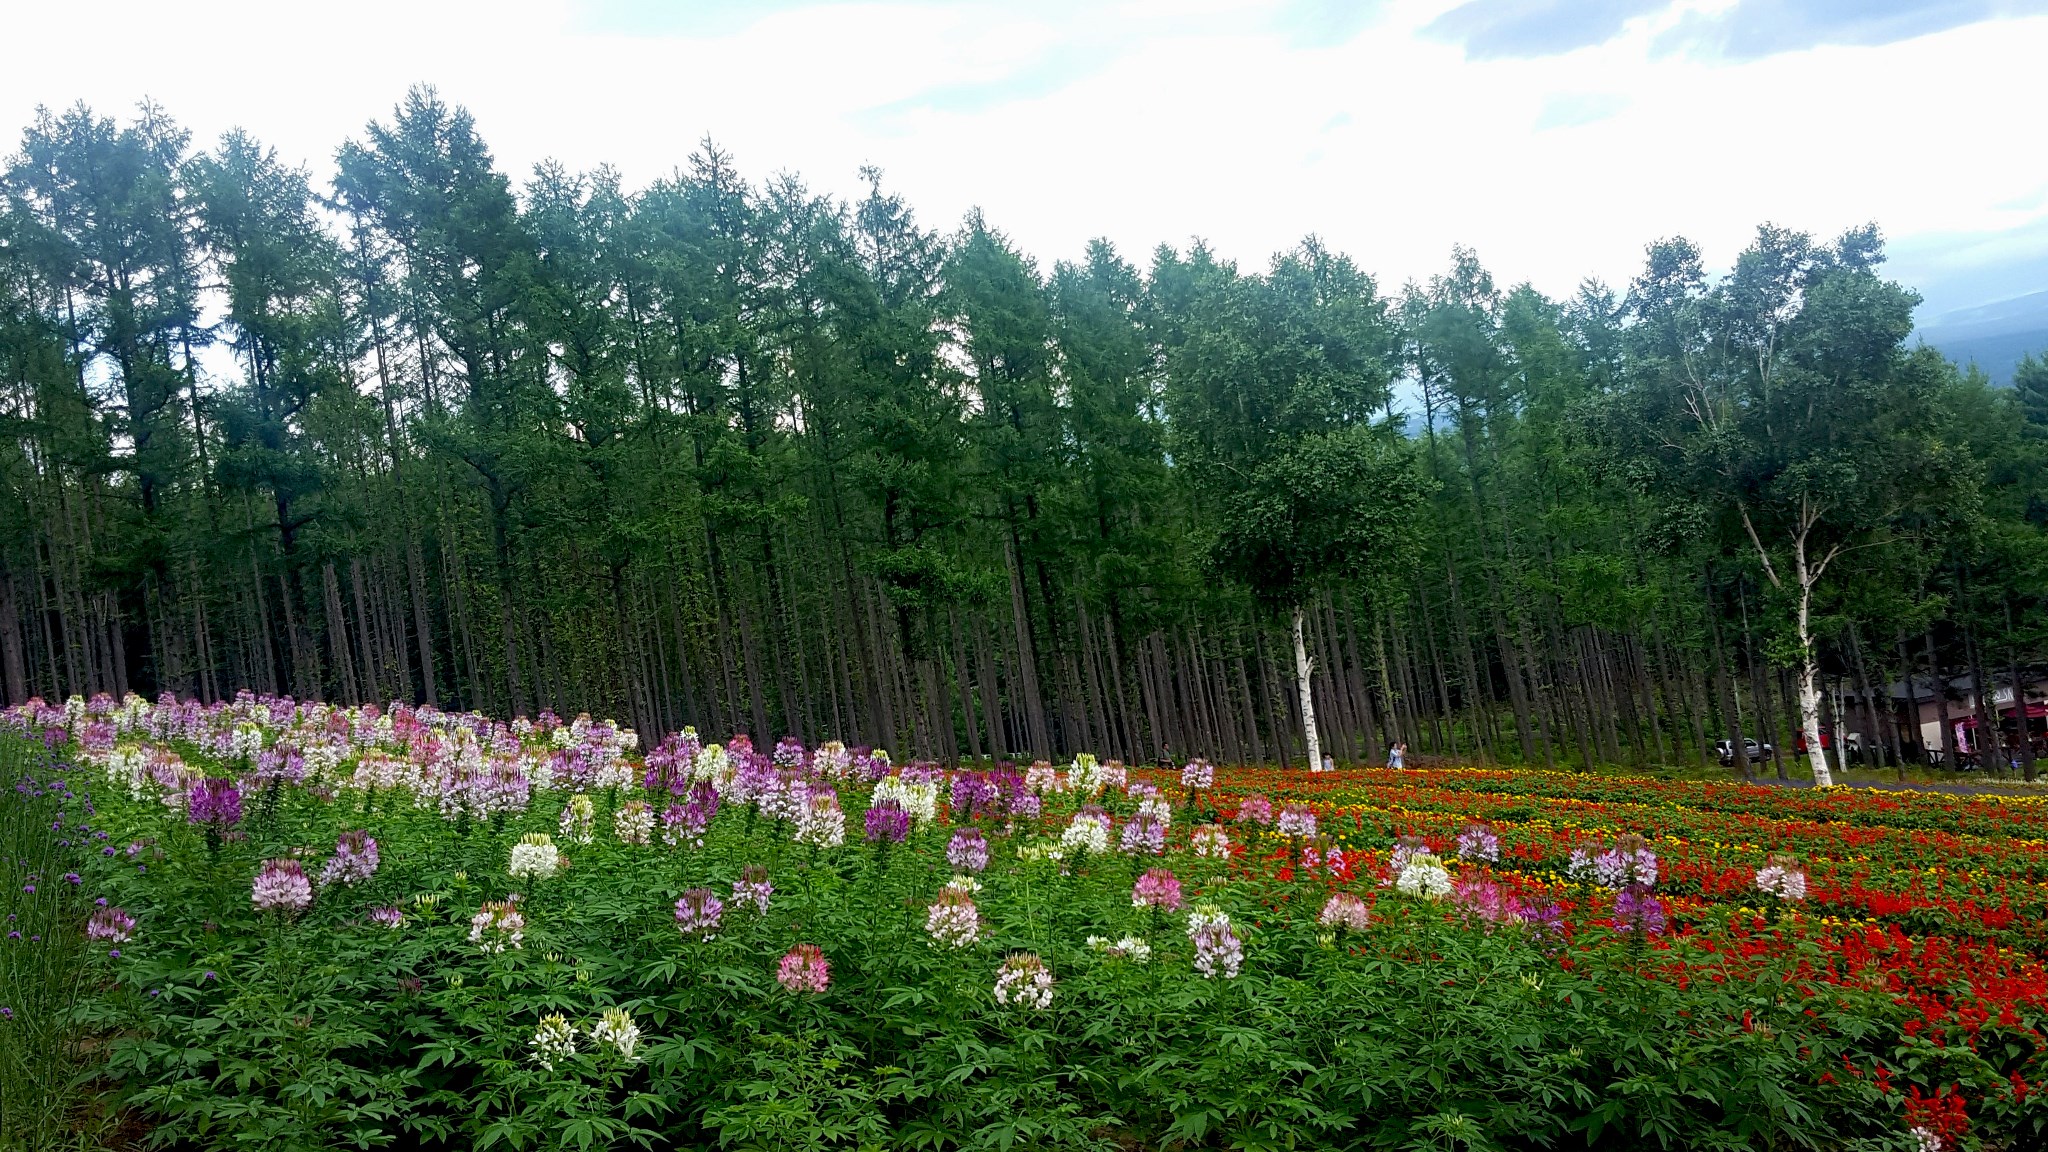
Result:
[
  {"x": 1332, "y": 506},
  {"x": 326, "y": 1031}
]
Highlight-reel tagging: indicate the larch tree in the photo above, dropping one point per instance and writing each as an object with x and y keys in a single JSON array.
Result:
[{"x": 1273, "y": 405}]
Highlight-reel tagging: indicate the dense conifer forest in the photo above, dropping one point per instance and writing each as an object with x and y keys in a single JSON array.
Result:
[{"x": 728, "y": 453}]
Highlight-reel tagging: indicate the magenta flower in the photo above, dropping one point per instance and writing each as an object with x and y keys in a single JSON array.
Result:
[
  {"x": 685, "y": 823},
  {"x": 387, "y": 917},
  {"x": 698, "y": 913},
  {"x": 887, "y": 821},
  {"x": 804, "y": 969},
  {"x": 112, "y": 924},
  {"x": 354, "y": 860},
  {"x": 1486, "y": 900},
  {"x": 1255, "y": 809},
  {"x": 1637, "y": 910},
  {"x": 213, "y": 802},
  {"x": 967, "y": 850},
  {"x": 1197, "y": 774},
  {"x": 282, "y": 885},
  {"x": 974, "y": 792},
  {"x": 1157, "y": 888}
]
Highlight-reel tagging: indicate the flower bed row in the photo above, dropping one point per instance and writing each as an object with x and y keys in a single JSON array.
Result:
[{"x": 329, "y": 926}]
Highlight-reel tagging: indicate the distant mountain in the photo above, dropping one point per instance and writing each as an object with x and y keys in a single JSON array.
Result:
[{"x": 1992, "y": 336}]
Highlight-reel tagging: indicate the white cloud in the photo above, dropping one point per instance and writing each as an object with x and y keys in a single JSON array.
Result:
[{"x": 1144, "y": 121}]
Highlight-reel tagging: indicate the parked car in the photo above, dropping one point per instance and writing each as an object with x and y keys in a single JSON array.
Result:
[
  {"x": 1756, "y": 752},
  {"x": 1854, "y": 740}
]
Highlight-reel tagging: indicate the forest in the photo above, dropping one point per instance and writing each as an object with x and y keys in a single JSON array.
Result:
[{"x": 736, "y": 455}]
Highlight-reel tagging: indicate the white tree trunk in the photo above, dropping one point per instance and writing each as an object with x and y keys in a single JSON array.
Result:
[
  {"x": 1303, "y": 666},
  {"x": 1809, "y": 674}
]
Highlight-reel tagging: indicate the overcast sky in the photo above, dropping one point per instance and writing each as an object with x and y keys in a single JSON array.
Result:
[{"x": 1556, "y": 137}]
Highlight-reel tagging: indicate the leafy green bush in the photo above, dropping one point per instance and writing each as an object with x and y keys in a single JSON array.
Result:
[{"x": 330, "y": 1030}]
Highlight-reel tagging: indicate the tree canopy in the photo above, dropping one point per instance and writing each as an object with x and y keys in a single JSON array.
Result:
[{"x": 744, "y": 456}]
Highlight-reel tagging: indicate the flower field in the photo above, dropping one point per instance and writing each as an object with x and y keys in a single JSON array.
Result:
[{"x": 296, "y": 926}]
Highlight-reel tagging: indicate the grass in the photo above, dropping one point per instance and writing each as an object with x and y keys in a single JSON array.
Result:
[{"x": 47, "y": 1103}]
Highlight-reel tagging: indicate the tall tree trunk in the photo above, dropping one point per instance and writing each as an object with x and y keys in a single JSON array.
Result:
[
  {"x": 1875, "y": 744},
  {"x": 1948, "y": 728},
  {"x": 13, "y": 671},
  {"x": 1809, "y": 677},
  {"x": 1731, "y": 710},
  {"x": 1303, "y": 669}
]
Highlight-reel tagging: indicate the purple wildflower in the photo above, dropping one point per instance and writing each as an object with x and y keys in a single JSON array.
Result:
[
  {"x": 1143, "y": 834},
  {"x": 1544, "y": 919},
  {"x": 698, "y": 913},
  {"x": 110, "y": 924},
  {"x": 789, "y": 753},
  {"x": 1478, "y": 842},
  {"x": 1637, "y": 910},
  {"x": 687, "y": 821},
  {"x": 354, "y": 860},
  {"x": 967, "y": 850},
  {"x": 1217, "y": 947},
  {"x": 213, "y": 802},
  {"x": 888, "y": 822},
  {"x": 282, "y": 885},
  {"x": 975, "y": 793}
]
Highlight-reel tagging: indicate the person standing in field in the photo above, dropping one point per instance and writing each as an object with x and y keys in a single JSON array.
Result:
[
  {"x": 1329, "y": 762},
  {"x": 1397, "y": 756}
]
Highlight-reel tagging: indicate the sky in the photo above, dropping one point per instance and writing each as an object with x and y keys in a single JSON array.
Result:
[{"x": 1555, "y": 137}]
